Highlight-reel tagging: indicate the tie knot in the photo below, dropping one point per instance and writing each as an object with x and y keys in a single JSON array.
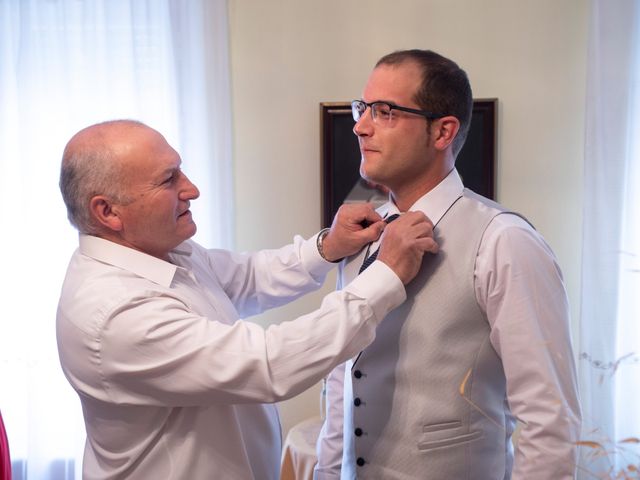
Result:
[{"x": 371, "y": 258}]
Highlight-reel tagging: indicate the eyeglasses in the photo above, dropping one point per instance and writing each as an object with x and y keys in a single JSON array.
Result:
[{"x": 382, "y": 112}]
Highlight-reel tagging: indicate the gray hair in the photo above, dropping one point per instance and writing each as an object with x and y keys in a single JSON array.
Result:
[{"x": 89, "y": 169}]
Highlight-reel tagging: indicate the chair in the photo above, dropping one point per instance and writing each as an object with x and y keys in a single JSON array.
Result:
[{"x": 5, "y": 458}]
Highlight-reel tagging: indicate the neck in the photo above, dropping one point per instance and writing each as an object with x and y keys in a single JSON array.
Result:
[{"x": 404, "y": 196}]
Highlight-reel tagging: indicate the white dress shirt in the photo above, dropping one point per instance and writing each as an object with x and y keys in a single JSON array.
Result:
[
  {"x": 172, "y": 384},
  {"x": 519, "y": 286}
]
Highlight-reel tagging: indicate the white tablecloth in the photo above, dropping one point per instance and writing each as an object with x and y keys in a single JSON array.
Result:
[{"x": 299, "y": 452}]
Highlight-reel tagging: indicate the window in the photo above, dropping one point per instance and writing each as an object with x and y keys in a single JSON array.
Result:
[{"x": 65, "y": 64}]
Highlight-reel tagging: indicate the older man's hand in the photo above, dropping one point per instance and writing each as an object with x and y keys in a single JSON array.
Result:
[
  {"x": 404, "y": 243},
  {"x": 354, "y": 226}
]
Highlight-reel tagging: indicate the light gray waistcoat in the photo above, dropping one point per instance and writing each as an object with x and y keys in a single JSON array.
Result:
[{"x": 428, "y": 397}]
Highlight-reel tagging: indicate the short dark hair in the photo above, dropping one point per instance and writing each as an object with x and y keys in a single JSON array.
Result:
[{"x": 445, "y": 87}]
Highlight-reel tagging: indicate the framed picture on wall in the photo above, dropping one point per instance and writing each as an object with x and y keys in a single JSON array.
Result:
[{"x": 341, "y": 181}]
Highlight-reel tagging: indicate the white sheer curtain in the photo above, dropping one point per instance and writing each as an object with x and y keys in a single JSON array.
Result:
[
  {"x": 610, "y": 314},
  {"x": 65, "y": 64}
]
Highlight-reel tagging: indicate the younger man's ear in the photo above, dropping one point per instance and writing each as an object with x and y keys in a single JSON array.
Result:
[{"x": 445, "y": 130}]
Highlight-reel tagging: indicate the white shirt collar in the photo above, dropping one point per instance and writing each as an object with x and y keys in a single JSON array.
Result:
[
  {"x": 139, "y": 263},
  {"x": 435, "y": 202}
]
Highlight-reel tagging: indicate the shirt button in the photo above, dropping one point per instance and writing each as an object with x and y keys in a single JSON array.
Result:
[
  {"x": 358, "y": 432},
  {"x": 357, "y": 401},
  {"x": 360, "y": 461},
  {"x": 357, "y": 374}
]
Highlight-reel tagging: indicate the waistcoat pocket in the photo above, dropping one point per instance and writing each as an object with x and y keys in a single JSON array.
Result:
[{"x": 446, "y": 434}]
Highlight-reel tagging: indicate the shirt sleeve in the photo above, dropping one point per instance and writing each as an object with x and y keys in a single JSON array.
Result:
[
  {"x": 519, "y": 285},
  {"x": 329, "y": 446},
  {"x": 153, "y": 349},
  {"x": 261, "y": 280}
]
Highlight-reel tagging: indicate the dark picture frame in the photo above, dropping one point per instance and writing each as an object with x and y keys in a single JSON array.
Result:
[{"x": 340, "y": 156}]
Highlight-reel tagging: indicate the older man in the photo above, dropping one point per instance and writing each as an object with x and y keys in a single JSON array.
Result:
[{"x": 173, "y": 385}]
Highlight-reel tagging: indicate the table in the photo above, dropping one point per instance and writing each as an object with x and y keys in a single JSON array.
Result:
[{"x": 299, "y": 452}]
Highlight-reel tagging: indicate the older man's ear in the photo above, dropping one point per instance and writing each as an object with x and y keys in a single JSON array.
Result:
[{"x": 105, "y": 213}]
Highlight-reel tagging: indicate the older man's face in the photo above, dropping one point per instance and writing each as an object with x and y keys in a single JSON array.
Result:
[{"x": 158, "y": 219}]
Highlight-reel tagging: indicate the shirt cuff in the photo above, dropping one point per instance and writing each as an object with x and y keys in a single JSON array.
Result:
[
  {"x": 312, "y": 260},
  {"x": 381, "y": 287}
]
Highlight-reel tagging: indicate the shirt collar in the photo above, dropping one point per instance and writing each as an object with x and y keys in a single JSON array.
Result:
[
  {"x": 435, "y": 203},
  {"x": 134, "y": 261}
]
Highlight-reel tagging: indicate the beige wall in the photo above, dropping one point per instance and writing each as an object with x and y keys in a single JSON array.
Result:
[{"x": 289, "y": 55}]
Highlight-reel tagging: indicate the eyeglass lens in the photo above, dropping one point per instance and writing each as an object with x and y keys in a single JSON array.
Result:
[
  {"x": 379, "y": 110},
  {"x": 357, "y": 109}
]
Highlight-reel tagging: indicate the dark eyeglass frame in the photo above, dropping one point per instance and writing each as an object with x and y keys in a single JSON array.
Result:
[{"x": 355, "y": 112}]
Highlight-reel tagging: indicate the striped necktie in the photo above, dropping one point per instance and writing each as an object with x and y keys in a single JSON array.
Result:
[{"x": 371, "y": 258}]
